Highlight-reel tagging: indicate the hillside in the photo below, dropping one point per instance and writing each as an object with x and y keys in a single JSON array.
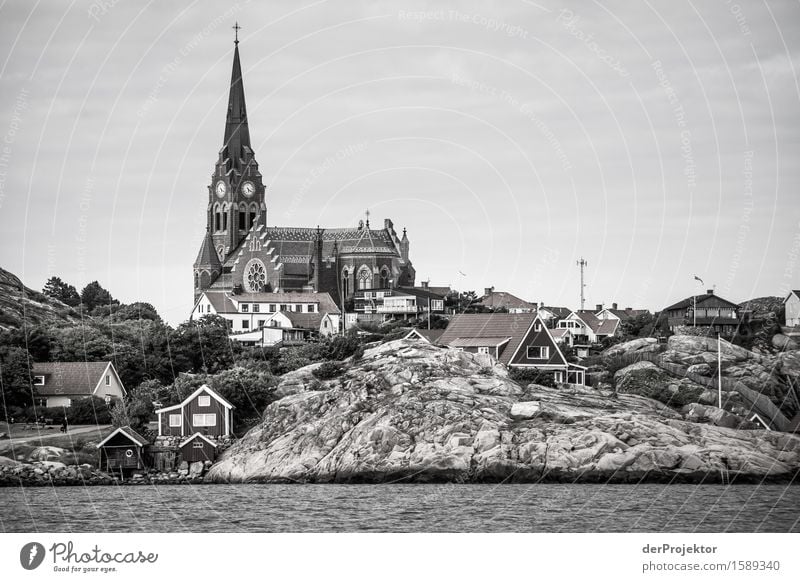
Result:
[
  {"x": 21, "y": 306},
  {"x": 415, "y": 412}
]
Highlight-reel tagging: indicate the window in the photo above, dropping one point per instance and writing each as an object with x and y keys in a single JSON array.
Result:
[
  {"x": 537, "y": 327},
  {"x": 364, "y": 279},
  {"x": 38, "y": 380},
  {"x": 107, "y": 398},
  {"x": 242, "y": 220},
  {"x": 325, "y": 324},
  {"x": 256, "y": 308},
  {"x": 204, "y": 419},
  {"x": 175, "y": 420},
  {"x": 283, "y": 308},
  {"x": 384, "y": 279},
  {"x": 483, "y": 350},
  {"x": 204, "y": 401},
  {"x": 245, "y": 324},
  {"x": 260, "y": 323},
  {"x": 208, "y": 308},
  {"x": 538, "y": 352},
  {"x": 298, "y": 308},
  {"x": 310, "y": 308},
  {"x": 198, "y": 444},
  {"x": 273, "y": 308},
  {"x": 245, "y": 307},
  {"x": 108, "y": 380}
]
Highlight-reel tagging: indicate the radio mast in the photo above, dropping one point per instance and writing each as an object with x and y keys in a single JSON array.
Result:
[{"x": 582, "y": 264}]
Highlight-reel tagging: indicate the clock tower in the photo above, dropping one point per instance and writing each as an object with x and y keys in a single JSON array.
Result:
[{"x": 236, "y": 193}]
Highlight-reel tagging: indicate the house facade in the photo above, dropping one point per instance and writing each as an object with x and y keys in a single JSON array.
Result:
[
  {"x": 518, "y": 340},
  {"x": 401, "y": 303},
  {"x": 708, "y": 310},
  {"x": 60, "y": 384},
  {"x": 551, "y": 315},
  {"x": 204, "y": 412},
  {"x": 123, "y": 451},
  {"x": 585, "y": 327},
  {"x": 792, "y": 305}
]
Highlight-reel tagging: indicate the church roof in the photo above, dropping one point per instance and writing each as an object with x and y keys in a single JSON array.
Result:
[
  {"x": 207, "y": 257},
  {"x": 237, "y": 131}
]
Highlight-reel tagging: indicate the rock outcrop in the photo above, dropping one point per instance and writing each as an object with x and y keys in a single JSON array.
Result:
[{"x": 415, "y": 412}]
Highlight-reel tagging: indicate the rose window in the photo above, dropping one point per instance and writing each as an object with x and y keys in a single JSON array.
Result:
[{"x": 255, "y": 276}]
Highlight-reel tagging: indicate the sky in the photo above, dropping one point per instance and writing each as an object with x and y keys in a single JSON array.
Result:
[{"x": 658, "y": 140}]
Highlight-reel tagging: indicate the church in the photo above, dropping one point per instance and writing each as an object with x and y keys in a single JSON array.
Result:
[{"x": 241, "y": 254}]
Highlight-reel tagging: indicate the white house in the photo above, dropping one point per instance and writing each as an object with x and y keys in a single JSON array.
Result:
[
  {"x": 587, "y": 328},
  {"x": 266, "y": 319},
  {"x": 62, "y": 383},
  {"x": 792, "y": 304}
]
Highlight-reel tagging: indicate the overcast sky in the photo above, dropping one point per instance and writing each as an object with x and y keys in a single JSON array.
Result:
[{"x": 658, "y": 140}]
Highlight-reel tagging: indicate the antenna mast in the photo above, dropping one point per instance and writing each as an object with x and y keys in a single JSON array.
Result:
[{"x": 582, "y": 264}]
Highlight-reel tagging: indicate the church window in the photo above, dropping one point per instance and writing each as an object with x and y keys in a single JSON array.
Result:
[
  {"x": 196, "y": 280},
  {"x": 345, "y": 284},
  {"x": 242, "y": 220},
  {"x": 224, "y": 221},
  {"x": 252, "y": 218},
  {"x": 364, "y": 279},
  {"x": 255, "y": 276},
  {"x": 384, "y": 278},
  {"x": 217, "y": 221}
]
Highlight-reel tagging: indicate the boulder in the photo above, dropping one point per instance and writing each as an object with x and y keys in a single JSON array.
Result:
[
  {"x": 701, "y": 369},
  {"x": 196, "y": 469},
  {"x": 783, "y": 342},
  {"x": 640, "y": 345},
  {"x": 525, "y": 410},
  {"x": 46, "y": 453}
]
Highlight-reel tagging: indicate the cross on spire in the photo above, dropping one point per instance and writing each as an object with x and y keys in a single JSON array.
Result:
[{"x": 236, "y": 29}]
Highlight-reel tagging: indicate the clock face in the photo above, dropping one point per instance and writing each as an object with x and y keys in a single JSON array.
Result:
[
  {"x": 248, "y": 189},
  {"x": 221, "y": 188}
]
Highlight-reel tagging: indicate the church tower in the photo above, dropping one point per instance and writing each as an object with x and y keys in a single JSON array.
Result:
[{"x": 236, "y": 193}]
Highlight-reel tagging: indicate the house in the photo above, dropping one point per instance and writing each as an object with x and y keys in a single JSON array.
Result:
[
  {"x": 563, "y": 336},
  {"x": 518, "y": 340},
  {"x": 291, "y": 317},
  {"x": 792, "y": 305},
  {"x": 503, "y": 301},
  {"x": 62, "y": 383},
  {"x": 403, "y": 302},
  {"x": 198, "y": 448},
  {"x": 124, "y": 450},
  {"x": 204, "y": 411},
  {"x": 586, "y": 327},
  {"x": 427, "y": 335},
  {"x": 551, "y": 315},
  {"x": 621, "y": 314},
  {"x": 708, "y": 310}
]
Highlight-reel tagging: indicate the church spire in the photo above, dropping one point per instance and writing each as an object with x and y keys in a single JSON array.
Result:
[{"x": 237, "y": 132}]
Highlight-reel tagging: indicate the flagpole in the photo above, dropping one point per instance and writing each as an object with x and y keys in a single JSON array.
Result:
[{"x": 719, "y": 367}]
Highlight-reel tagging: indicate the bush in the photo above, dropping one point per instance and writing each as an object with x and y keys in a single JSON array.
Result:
[
  {"x": 91, "y": 410},
  {"x": 328, "y": 370},
  {"x": 532, "y": 376}
]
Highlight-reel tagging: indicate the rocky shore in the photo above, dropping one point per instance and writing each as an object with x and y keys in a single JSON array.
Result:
[{"x": 409, "y": 411}]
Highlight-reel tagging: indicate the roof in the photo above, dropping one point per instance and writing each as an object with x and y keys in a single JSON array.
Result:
[
  {"x": 207, "y": 257},
  {"x": 498, "y": 299},
  {"x": 237, "y": 132},
  {"x": 490, "y": 325},
  {"x": 79, "y": 378},
  {"x": 690, "y": 301},
  {"x": 597, "y": 325},
  {"x": 625, "y": 314},
  {"x": 304, "y": 320},
  {"x": 429, "y": 335},
  {"x": 477, "y": 342},
  {"x": 443, "y": 291},
  {"x": 225, "y": 302},
  {"x": 194, "y": 436},
  {"x": 607, "y": 327},
  {"x": 128, "y": 432},
  {"x": 419, "y": 292},
  {"x": 220, "y": 301},
  {"x": 559, "y": 332},
  {"x": 559, "y": 312},
  {"x": 794, "y": 292},
  {"x": 203, "y": 388}
]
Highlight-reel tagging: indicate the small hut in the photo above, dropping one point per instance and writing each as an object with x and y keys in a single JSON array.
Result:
[
  {"x": 123, "y": 451},
  {"x": 198, "y": 447}
]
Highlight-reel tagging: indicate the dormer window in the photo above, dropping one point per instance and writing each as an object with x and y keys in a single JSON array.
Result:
[{"x": 38, "y": 380}]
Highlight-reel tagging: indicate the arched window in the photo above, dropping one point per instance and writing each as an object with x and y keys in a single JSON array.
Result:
[
  {"x": 384, "y": 278},
  {"x": 196, "y": 280},
  {"x": 364, "y": 278},
  {"x": 345, "y": 283},
  {"x": 252, "y": 217},
  {"x": 255, "y": 276}
]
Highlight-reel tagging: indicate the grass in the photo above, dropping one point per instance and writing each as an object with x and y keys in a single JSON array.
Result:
[{"x": 70, "y": 442}]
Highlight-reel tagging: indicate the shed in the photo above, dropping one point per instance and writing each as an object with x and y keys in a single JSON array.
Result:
[
  {"x": 123, "y": 451},
  {"x": 198, "y": 448}
]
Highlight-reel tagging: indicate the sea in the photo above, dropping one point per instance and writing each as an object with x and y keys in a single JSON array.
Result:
[{"x": 402, "y": 508}]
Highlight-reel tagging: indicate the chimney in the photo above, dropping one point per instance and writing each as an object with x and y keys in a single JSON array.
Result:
[
  {"x": 425, "y": 284},
  {"x": 710, "y": 291},
  {"x": 487, "y": 290},
  {"x": 599, "y": 307},
  {"x": 541, "y": 305},
  {"x": 613, "y": 306}
]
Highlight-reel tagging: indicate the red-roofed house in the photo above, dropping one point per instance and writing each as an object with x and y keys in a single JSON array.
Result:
[
  {"x": 61, "y": 383},
  {"x": 518, "y": 340}
]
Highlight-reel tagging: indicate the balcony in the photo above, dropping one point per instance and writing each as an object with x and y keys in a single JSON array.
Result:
[{"x": 395, "y": 309}]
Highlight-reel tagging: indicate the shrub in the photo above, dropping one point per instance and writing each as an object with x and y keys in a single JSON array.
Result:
[
  {"x": 328, "y": 370},
  {"x": 91, "y": 410},
  {"x": 532, "y": 376}
]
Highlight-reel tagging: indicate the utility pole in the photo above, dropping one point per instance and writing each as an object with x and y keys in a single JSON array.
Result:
[{"x": 582, "y": 264}]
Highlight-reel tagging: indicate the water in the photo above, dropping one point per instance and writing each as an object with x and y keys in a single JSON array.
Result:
[{"x": 403, "y": 508}]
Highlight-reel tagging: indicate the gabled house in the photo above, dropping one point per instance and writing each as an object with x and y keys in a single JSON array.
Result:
[
  {"x": 399, "y": 303},
  {"x": 551, "y": 315},
  {"x": 792, "y": 305},
  {"x": 708, "y": 310},
  {"x": 614, "y": 312},
  {"x": 198, "y": 448},
  {"x": 123, "y": 450},
  {"x": 587, "y": 328},
  {"x": 563, "y": 336},
  {"x": 204, "y": 411},
  {"x": 427, "y": 335},
  {"x": 518, "y": 340},
  {"x": 503, "y": 301},
  {"x": 62, "y": 383}
]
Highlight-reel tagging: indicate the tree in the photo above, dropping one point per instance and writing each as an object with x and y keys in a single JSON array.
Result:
[
  {"x": 15, "y": 380},
  {"x": 94, "y": 295},
  {"x": 250, "y": 391},
  {"x": 58, "y": 289},
  {"x": 203, "y": 345}
]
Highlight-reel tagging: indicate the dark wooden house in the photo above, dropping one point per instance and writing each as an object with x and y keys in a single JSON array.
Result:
[
  {"x": 198, "y": 448},
  {"x": 518, "y": 340},
  {"x": 123, "y": 451},
  {"x": 708, "y": 310},
  {"x": 204, "y": 412}
]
